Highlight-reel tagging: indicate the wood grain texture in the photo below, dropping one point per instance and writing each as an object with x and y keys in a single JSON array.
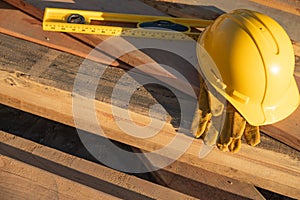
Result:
[
  {"x": 29, "y": 28},
  {"x": 137, "y": 58},
  {"x": 115, "y": 55},
  {"x": 296, "y": 46},
  {"x": 289, "y": 6},
  {"x": 30, "y": 170},
  {"x": 50, "y": 96},
  {"x": 91, "y": 40},
  {"x": 293, "y": 191},
  {"x": 197, "y": 183},
  {"x": 219, "y": 6},
  {"x": 269, "y": 170},
  {"x": 183, "y": 9},
  {"x": 200, "y": 182},
  {"x": 20, "y": 181}
]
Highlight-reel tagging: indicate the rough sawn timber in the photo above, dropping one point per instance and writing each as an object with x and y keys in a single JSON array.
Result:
[
  {"x": 197, "y": 182},
  {"x": 287, "y": 131},
  {"x": 33, "y": 171},
  {"x": 280, "y": 10},
  {"x": 129, "y": 60},
  {"x": 50, "y": 95},
  {"x": 29, "y": 28}
]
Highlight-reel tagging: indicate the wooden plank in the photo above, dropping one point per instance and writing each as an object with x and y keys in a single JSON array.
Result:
[
  {"x": 91, "y": 40},
  {"x": 35, "y": 8},
  {"x": 183, "y": 9},
  {"x": 296, "y": 46},
  {"x": 289, "y": 6},
  {"x": 192, "y": 178},
  {"x": 269, "y": 130},
  {"x": 132, "y": 6},
  {"x": 56, "y": 105},
  {"x": 184, "y": 6},
  {"x": 29, "y": 28},
  {"x": 30, "y": 170},
  {"x": 219, "y": 6},
  {"x": 127, "y": 60},
  {"x": 21, "y": 181},
  {"x": 200, "y": 182},
  {"x": 136, "y": 58},
  {"x": 42, "y": 96}
]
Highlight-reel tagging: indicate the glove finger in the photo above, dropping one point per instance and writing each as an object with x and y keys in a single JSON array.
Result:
[
  {"x": 202, "y": 115},
  {"x": 239, "y": 124},
  {"x": 211, "y": 135},
  {"x": 252, "y": 134},
  {"x": 215, "y": 105},
  {"x": 200, "y": 124},
  {"x": 235, "y": 145},
  {"x": 233, "y": 129},
  {"x": 238, "y": 128},
  {"x": 223, "y": 147},
  {"x": 203, "y": 100},
  {"x": 225, "y": 136}
]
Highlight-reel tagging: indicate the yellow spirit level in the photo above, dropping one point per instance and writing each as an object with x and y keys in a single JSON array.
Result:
[{"x": 116, "y": 24}]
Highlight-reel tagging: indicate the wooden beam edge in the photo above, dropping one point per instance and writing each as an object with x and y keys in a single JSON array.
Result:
[
  {"x": 129, "y": 187},
  {"x": 268, "y": 170},
  {"x": 135, "y": 58}
]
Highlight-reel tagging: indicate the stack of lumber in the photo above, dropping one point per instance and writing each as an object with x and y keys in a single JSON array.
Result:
[{"x": 37, "y": 74}]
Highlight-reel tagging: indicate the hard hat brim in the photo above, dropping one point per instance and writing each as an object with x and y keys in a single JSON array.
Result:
[
  {"x": 258, "y": 115},
  {"x": 285, "y": 106}
]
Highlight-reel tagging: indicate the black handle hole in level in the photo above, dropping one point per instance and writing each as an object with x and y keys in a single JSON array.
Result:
[
  {"x": 76, "y": 19},
  {"x": 164, "y": 24}
]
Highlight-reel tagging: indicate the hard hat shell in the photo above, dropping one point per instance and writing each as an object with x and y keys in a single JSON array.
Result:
[{"x": 248, "y": 57}]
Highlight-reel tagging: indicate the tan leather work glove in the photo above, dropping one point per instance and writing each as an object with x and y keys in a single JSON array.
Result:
[
  {"x": 235, "y": 126},
  {"x": 210, "y": 125}
]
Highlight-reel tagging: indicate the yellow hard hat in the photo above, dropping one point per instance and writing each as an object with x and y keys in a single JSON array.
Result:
[{"x": 249, "y": 59}]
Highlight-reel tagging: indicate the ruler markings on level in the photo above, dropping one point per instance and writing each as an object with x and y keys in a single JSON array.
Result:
[{"x": 116, "y": 24}]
